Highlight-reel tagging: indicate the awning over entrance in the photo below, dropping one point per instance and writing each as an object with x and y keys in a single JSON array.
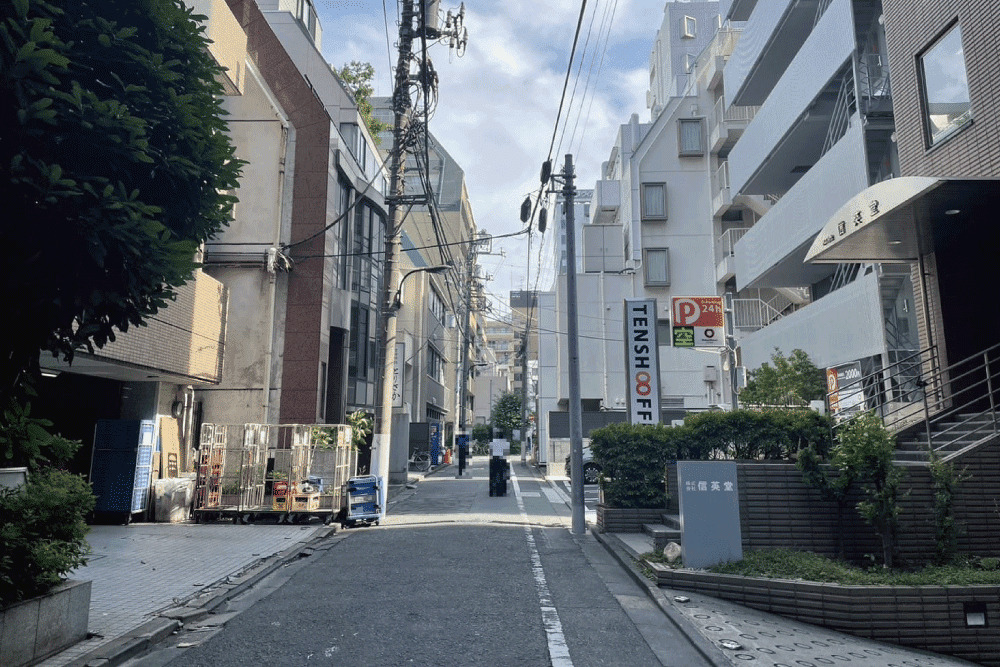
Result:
[{"x": 898, "y": 219}]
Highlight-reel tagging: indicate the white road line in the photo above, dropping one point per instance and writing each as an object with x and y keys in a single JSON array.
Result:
[
  {"x": 554, "y": 496},
  {"x": 558, "y": 650}
]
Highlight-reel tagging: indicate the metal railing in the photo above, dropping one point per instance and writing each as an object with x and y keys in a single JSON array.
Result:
[
  {"x": 944, "y": 408},
  {"x": 725, "y": 245},
  {"x": 720, "y": 179},
  {"x": 753, "y": 314},
  {"x": 737, "y": 114}
]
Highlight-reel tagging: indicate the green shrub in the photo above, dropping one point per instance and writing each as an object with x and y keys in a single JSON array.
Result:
[
  {"x": 864, "y": 450},
  {"x": 482, "y": 433},
  {"x": 946, "y": 479},
  {"x": 787, "y": 564},
  {"x": 42, "y": 532},
  {"x": 633, "y": 460}
]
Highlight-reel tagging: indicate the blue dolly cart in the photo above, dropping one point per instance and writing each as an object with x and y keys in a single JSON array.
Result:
[{"x": 363, "y": 498}]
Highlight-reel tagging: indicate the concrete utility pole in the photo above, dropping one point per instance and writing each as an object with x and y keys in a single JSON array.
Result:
[
  {"x": 524, "y": 392},
  {"x": 573, "y": 336},
  {"x": 397, "y": 163},
  {"x": 464, "y": 354}
]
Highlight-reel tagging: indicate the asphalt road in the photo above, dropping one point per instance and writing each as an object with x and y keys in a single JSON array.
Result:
[{"x": 451, "y": 577}]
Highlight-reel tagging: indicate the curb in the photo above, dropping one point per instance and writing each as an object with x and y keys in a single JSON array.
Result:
[
  {"x": 712, "y": 653},
  {"x": 139, "y": 640}
]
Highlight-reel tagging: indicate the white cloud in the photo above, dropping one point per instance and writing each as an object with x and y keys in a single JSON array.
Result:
[{"x": 497, "y": 104}]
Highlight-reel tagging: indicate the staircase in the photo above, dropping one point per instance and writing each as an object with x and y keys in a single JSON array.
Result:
[
  {"x": 950, "y": 437},
  {"x": 669, "y": 530},
  {"x": 947, "y": 411}
]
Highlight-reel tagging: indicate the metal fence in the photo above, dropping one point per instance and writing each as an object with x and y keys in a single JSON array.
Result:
[{"x": 292, "y": 470}]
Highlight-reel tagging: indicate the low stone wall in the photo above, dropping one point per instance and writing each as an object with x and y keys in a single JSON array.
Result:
[
  {"x": 615, "y": 520},
  {"x": 931, "y": 618},
  {"x": 36, "y": 628}
]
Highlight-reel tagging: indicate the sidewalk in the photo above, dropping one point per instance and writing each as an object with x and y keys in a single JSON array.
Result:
[
  {"x": 763, "y": 638},
  {"x": 149, "y": 578}
]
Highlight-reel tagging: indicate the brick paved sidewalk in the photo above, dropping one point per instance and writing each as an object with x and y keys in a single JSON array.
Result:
[{"x": 140, "y": 569}]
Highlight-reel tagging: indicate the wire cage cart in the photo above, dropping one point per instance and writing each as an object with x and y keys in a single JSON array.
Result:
[
  {"x": 292, "y": 471},
  {"x": 362, "y": 501}
]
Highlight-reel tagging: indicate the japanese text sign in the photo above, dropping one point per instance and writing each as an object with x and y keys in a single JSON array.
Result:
[{"x": 698, "y": 321}]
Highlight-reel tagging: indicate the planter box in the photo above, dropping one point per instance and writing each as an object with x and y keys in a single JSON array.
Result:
[
  {"x": 34, "y": 629},
  {"x": 615, "y": 520},
  {"x": 931, "y": 618}
]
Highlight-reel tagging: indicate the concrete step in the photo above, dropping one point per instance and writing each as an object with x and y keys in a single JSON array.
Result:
[
  {"x": 671, "y": 521},
  {"x": 661, "y": 535}
]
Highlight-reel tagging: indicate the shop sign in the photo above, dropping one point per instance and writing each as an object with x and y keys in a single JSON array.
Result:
[
  {"x": 709, "y": 503},
  {"x": 698, "y": 322},
  {"x": 642, "y": 361},
  {"x": 847, "y": 396}
]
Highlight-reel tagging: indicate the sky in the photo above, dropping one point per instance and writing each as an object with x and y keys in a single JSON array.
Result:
[{"x": 497, "y": 104}]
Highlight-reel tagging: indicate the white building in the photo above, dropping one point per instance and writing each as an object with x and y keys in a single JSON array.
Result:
[
  {"x": 652, "y": 234},
  {"x": 824, "y": 133}
]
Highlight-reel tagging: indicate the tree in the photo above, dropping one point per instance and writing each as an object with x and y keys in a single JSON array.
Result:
[
  {"x": 114, "y": 167},
  {"x": 794, "y": 380},
  {"x": 864, "y": 450},
  {"x": 506, "y": 414},
  {"x": 357, "y": 78}
]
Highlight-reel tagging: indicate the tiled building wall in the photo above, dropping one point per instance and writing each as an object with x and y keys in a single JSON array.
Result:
[
  {"x": 910, "y": 28},
  {"x": 186, "y": 338}
]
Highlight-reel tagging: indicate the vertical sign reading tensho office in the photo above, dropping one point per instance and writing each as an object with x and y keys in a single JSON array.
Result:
[{"x": 642, "y": 361}]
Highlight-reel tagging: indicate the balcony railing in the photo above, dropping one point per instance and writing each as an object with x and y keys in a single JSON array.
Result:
[
  {"x": 726, "y": 243},
  {"x": 720, "y": 179},
  {"x": 753, "y": 314},
  {"x": 732, "y": 115}
]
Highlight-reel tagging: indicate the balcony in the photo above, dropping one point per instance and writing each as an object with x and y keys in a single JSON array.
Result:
[
  {"x": 774, "y": 33},
  {"x": 772, "y": 253},
  {"x": 787, "y": 134},
  {"x": 736, "y": 10},
  {"x": 605, "y": 203},
  {"x": 844, "y": 325},
  {"x": 722, "y": 197},
  {"x": 725, "y": 253},
  {"x": 728, "y": 125}
]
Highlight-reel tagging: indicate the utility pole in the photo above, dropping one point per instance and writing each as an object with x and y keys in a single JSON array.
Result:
[
  {"x": 397, "y": 164},
  {"x": 464, "y": 358},
  {"x": 579, "y": 526}
]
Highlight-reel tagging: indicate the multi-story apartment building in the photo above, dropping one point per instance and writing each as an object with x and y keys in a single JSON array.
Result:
[
  {"x": 652, "y": 234},
  {"x": 442, "y": 232},
  {"x": 300, "y": 252},
  {"x": 581, "y": 217},
  {"x": 824, "y": 132}
]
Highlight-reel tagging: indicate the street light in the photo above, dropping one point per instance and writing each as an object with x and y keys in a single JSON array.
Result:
[
  {"x": 396, "y": 303},
  {"x": 381, "y": 442}
]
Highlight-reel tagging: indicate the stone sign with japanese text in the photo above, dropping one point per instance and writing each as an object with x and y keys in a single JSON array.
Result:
[{"x": 710, "y": 512}]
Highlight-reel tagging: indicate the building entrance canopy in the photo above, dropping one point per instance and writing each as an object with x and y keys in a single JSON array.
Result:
[{"x": 899, "y": 219}]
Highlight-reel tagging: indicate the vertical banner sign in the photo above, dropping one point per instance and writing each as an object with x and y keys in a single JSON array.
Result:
[
  {"x": 698, "y": 321},
  {"x": 397, "y": 376},
  {"x": 642, "y": 361}
]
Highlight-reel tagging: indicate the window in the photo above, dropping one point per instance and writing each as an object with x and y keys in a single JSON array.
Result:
[
  {"x": 436, "y": 305},
  {"x": 690, "y": 60},
  {"x": 656, "y": 263},
  {"x": 689, "y": 27},
  {"x": 691, "y": 137},
  {"x": 654, "y": 201},
  {"x": 945, "y": 87},
  {"x": 435, "y": 364}
]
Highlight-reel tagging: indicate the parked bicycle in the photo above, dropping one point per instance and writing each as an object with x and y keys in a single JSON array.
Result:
[{"x": 420, "y": 461}]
